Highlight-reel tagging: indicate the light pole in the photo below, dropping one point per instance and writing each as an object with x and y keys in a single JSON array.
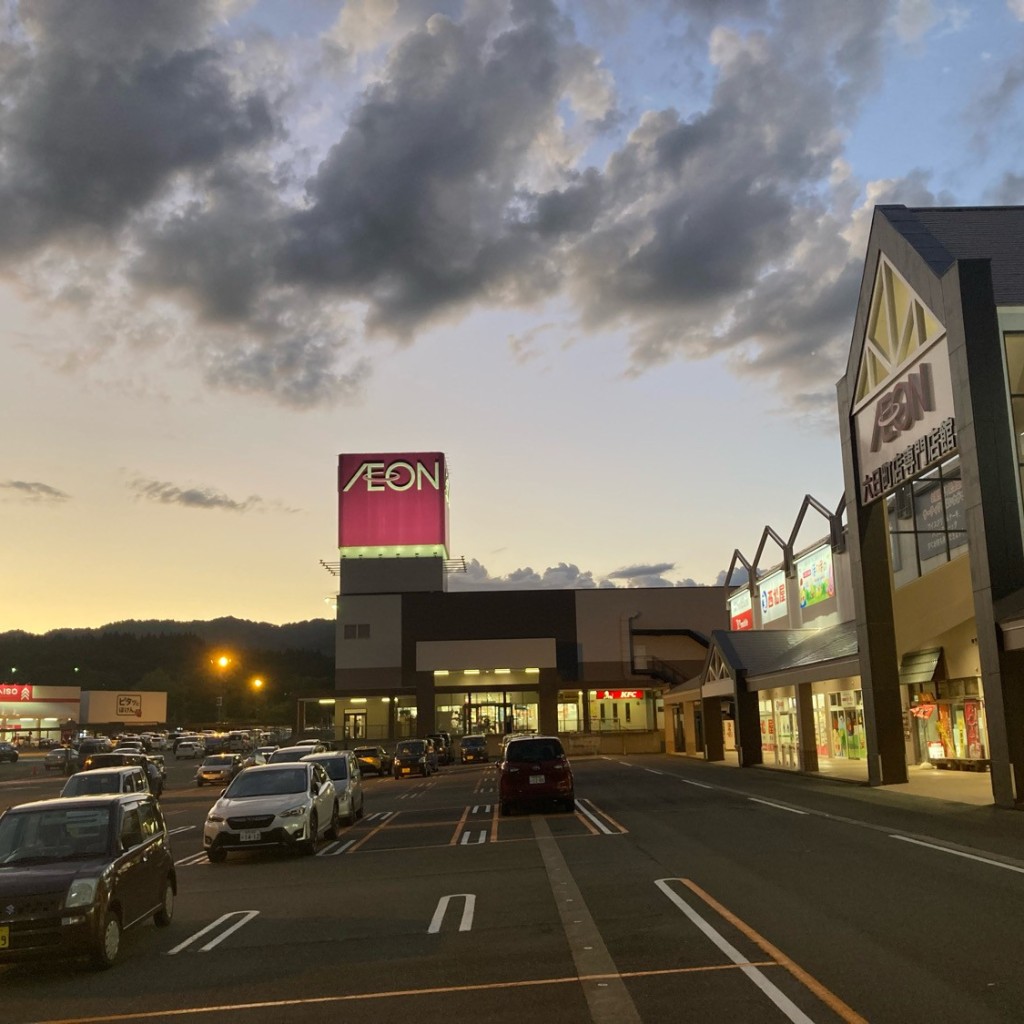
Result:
[{"x": 222, "y": 663}]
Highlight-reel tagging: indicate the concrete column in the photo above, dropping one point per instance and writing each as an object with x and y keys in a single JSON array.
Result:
[
  {"x": 547, "y": 702},
  {"x": 714, "y": 734},
  {"x": 425, "y": 716},
  {"x": 807, "y": 750},
  {"x": 748, "y": 728}
]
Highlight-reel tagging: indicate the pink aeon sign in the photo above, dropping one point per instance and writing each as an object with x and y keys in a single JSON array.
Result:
[{"x": 393, "y": 500}]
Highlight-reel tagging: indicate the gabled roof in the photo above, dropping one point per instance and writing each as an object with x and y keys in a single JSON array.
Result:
[{"x": 941, "y": 235}]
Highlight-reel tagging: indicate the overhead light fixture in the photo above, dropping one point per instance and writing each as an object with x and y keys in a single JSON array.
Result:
[
  {"x": 357, "y": 700},
  {"x": 502, "y": 671},
  {"x": 471, "y": 671},
  {"x": 440, "y": 671},
  {"x": 533, "y": 671},
  {"x": 326, "y": 700}
]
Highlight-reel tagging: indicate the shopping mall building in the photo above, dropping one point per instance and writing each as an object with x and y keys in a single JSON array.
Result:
[
  {"x": 413, "y": 658},
  {"x": 897, "y": 638}
]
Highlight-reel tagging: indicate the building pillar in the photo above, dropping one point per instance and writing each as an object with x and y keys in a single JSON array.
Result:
[
  {"x": 547, "y": 702},
  {"x": 425, "y": 714},
  {"x": 807, "y": 751},
  {"x": 585, "y": 699},
  {"x": 714, "y": 733},
  {"x": 748, "y": 728}
]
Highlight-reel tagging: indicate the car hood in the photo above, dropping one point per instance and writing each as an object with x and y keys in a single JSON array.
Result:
[
  {"x": 26, "y": 879},
  {"x": 239, "y": 806}
]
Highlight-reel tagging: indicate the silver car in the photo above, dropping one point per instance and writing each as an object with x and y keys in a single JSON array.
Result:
[
  {"x": 291, "y": 805},
  {"x": 347, "y": 776}
]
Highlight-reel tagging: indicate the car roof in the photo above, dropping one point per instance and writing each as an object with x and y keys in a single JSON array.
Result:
[
  {"x": 278, "y": 766},
  {"x": 112, "y": 769},
  {"x": 89, "y": 799},
  {"x": 325, "y": 755}
]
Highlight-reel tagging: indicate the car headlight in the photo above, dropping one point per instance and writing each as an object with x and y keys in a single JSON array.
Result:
[
  {"x": 81, "y": 892},
  {"x": 293, "y": 812},
  {"x": 215, "y": 819}
]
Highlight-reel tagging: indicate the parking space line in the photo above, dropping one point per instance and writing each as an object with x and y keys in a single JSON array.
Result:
[
  {"x": 458, "y": 828},
  {"x": 244, "y": 917},
  {"x": 780, "y": 999},
  {"x": 778, "y": 807},
  {"x": 960, "y": 853}
]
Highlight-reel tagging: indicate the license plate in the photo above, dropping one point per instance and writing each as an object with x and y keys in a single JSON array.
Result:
[
  {"x": 249, "y": 835},
  {"x": 5, "y": 936},
  {"x": 406, "y": 771},
  {"x": 537, "y": 778}
]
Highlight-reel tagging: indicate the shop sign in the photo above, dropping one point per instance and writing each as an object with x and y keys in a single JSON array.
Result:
[
  {"x": 393, "y": 500},
  {"x": 741, "y": 612},
  {"x": 15, "y": 691},
  {"x": 620, "y": 694},
  {"x": 129, "y": 705},
  {"x": 773, "y": 597},
  {"x": 923, "y": 710},
  {"x": 816, "y": 577},
  {"x": 909, "y": 427}
]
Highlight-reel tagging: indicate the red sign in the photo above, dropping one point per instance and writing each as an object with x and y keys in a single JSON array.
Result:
[
  {"x": 923, "y": 710},
  {"x": 390, "y": 501},
  {"x": 620, "y": 694},
  {"x": 15, "y": 691}
]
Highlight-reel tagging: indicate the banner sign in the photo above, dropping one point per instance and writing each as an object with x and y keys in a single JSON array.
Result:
[
  {"x": 773, "y": 597},
  {"x": 393, "y": 501},
  {"x": 620, "y": 694},
  {"x": 741, "y": 612},
  {"x": 129, "y": 705},
  {"x": 816, "y": 578},
  {"x": 15, "y": 691}
]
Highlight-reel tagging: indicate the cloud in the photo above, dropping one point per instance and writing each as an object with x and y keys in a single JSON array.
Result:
[
  {"x": 193, "y": 497},
  {"x": 564, "y": 576},
  {"x": 34, "y": 492}
]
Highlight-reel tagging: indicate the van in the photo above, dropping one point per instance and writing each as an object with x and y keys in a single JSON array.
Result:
[{"x": 92, "y": 745}]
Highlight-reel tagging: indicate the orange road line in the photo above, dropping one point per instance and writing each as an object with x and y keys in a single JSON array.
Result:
[
  {"x": 586, "y": 822},
  {"x": 608, "y": 817},
  {"x": 458, "y": 828},
  {"x": 828, "y": 997},
  {"x": 373, "y": 831},
  {"x": 405, "y": 993}
]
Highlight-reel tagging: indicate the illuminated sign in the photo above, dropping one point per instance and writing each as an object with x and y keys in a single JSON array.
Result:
[
  {"x": 620, "y": 694},
  {"x": 909, "y": 427},
  {"x": 773, "y": 597},
  {"x": 816, "y": 577},
  {"x": 129, "y": 705},
  {"x": 741, "y": 611},
  {"x": 393, "y": 504},
  {"x": 14, "y": 691}
]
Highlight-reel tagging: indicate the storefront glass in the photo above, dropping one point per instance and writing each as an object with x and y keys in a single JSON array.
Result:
[
  {"x": 779, "y": 730},
  {"x": 486, "y": 711},
  {"x": 950, "y": 723}
]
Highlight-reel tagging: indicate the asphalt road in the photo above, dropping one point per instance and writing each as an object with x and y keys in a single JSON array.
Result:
[{"x": 678, "y": 891}]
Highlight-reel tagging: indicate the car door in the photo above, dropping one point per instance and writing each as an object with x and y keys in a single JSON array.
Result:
[
  {"x": 132, "y": 886},
  {"x": 355, "y": 777},
  {"x": 323, "y": 798}
]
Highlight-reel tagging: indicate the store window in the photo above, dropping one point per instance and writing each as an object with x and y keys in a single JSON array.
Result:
[
  {"x": 950, "y": 721},
  {"x": 927, "y": 522}
]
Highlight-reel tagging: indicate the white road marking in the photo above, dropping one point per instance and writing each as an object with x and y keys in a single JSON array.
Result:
[
  {"x": 179, "y": 829},
  {"x": 778, "y": 807},
  {"x": 592, "y": 817},
  {"x": 476, "y": 842},
  {"x": 703, "y": 785},
  {"x": 468, "y": 908},
  {"x": 191, "y": 861},
  {"x": 779, "y": 998},
  {"x": 244, "y": 917},
  {"x": 654, "y": 771},
  {"x": 960, "y": 853},
  {"x": 336, "y": 848}
]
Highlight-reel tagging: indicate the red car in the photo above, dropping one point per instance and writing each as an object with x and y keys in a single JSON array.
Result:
[{"x": 535, "y": 770}]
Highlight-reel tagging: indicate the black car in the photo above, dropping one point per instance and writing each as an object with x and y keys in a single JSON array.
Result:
[
  {"x": 414, "y": 757},
  {"x": 373, "y": 759},
  {"x": 76, "y": 872},
  {"x": 473, "y": 748},
  {"x": 8, "y": 752},
  {"x": 443, "y": 745}
]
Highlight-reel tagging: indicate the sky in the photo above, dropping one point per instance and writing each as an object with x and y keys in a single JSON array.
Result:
[{"x": 603, "y": 254}]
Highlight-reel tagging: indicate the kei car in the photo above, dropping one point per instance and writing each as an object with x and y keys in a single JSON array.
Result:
[
  {"x": 535, "y": 770},
  {"x": 61, "y": 759},
  {"x": 8, "y": 752},
  {"x": 288, "y": 805},
  {"x": 414, "y": 757},
  {"x": 473, "y": 749},
  {"x": 76, "y": 873},
  {"x": 124, "y": 779}
]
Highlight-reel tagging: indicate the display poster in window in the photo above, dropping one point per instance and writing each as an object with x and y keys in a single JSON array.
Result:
[
  {"x": 933, "y": 519},
  {"x": 816, "y": 577}
]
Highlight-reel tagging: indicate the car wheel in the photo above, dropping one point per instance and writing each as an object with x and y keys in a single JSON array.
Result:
[
  {"x": 162, "y": 918},
  {"x": 107, "y": 943},
  {"x": 309, "y": 845},
  {"x": 198, "y": 783},
  {"x": 335, "y": 827},
  {"x": 216, "y": 855},
  {"x": 362, "y": 802},
  {"x": 570, "y": 803}
]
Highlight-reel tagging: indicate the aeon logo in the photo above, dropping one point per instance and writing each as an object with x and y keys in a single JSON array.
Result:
[
  {"x": 899, "y": 409},
  {"x": 395, "y": 476}
]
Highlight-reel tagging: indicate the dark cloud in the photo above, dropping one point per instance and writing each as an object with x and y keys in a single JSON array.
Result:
[
  {"x": 103, "y": 107},
  {"x": 33, "y": 491},
  {"x": 564, "y": 576},
  {"x": 193, "y": 497}
]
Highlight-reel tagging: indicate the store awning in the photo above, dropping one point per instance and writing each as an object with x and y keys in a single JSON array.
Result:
[{"x": 920, "y": 666}]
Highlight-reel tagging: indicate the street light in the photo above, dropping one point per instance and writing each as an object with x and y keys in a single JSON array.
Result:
[{"x": 222, "y": 663}]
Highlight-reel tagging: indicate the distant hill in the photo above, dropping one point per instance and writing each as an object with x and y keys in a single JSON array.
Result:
[{"x": 311, "y": 635}]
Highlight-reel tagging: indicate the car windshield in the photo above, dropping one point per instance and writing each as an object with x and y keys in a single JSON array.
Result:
[
  {"x": 366, "y": 752},
  {"x": 410, "y": 747},
  {"x": 289, "y": 754},
  {"x": 260, "y": 783},
  {"x": 337, "y": 767},
  {"x": 219, "y": 759},
  {"x": 533, "y": 750},
  {"x": 59, "y": 833},
  {"x": 474, "y": 741},
  {"x": 92, "y": 784}
]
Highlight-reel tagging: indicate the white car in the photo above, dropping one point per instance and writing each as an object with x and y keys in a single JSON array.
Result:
[
  {"x": 345, "y": 773},
  {"x": 291, "y": 805},
  {"x": 189, "y": 749}
]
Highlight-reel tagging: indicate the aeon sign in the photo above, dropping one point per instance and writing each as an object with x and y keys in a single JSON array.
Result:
[{"x": 389, "y": 501}]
